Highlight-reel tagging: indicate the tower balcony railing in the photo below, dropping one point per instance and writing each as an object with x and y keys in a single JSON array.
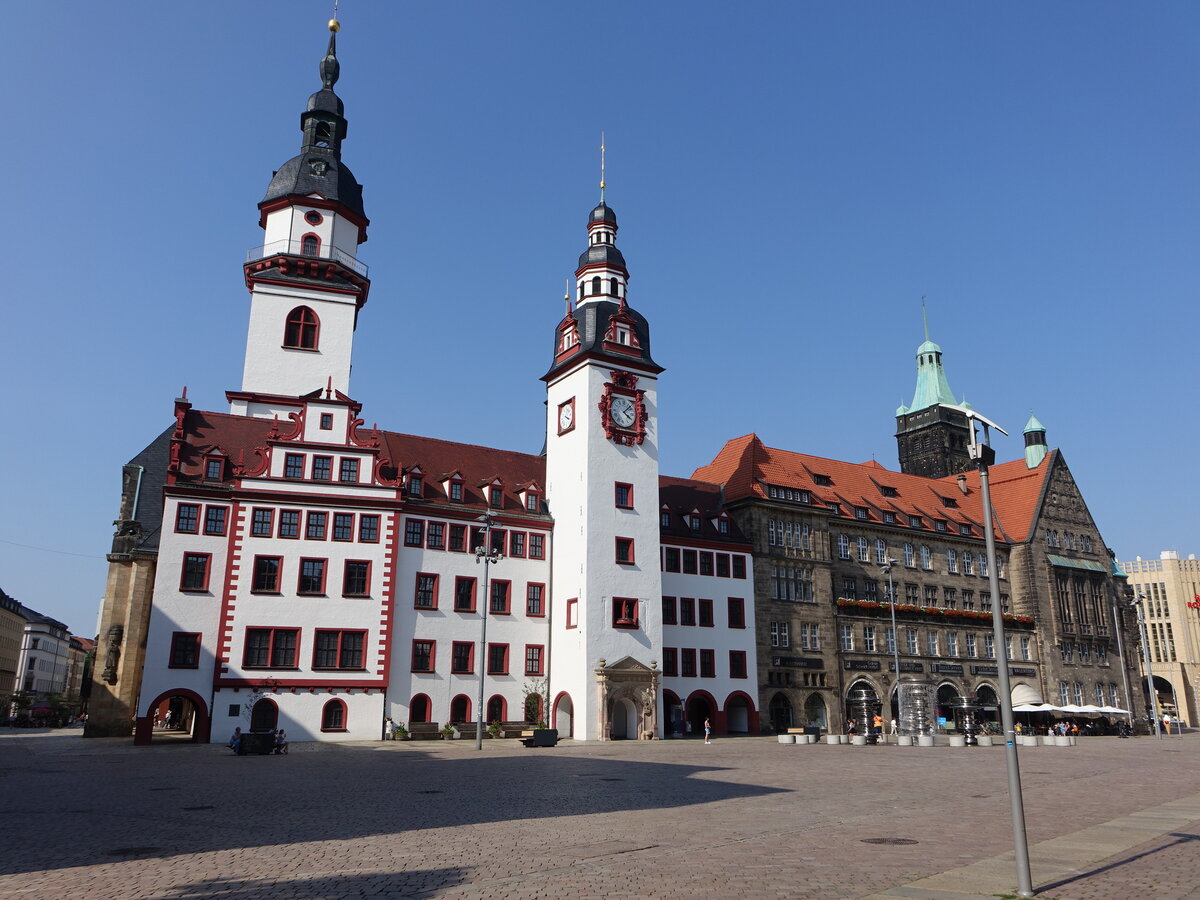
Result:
[{"x": 297, "y": 248}]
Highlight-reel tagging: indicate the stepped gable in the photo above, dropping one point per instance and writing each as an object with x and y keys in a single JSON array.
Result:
[
  {"x": 748, "y": 468},
  {"x": 681, "y": 496}
]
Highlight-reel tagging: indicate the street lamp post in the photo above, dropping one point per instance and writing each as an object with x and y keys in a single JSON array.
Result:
[
  {"x": 1137, "y": 605},
  {"x": 489, "y": 555},
  {"x": 886, "y": 569},
  {"x": 983, "y": 455}
]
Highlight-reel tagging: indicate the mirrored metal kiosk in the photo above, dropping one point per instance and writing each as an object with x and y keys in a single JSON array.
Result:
[
  {"x": 864, "y": 706},
  {"x": 966, "y": 715}
]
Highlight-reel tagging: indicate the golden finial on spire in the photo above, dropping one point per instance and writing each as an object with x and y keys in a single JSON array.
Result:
[
  {"x": 602, "y": 167},
  {"x": 334, "y": 25}
]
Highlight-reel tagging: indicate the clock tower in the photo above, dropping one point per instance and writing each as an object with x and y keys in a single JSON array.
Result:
[{"x": 602, "y": 442}]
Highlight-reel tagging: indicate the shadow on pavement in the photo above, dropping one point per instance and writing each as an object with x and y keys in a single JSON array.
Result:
[
  {"x": 383, "y": 886},
  {"x": 1180, "y": 838}
]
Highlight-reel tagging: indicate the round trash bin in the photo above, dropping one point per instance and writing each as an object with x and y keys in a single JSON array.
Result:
[
  {"x": 958, "y": 740},
  {"x": 787, "y": 739},
  {"x": 1062, "y": 741},
  {"x": 925, "y": 740},
  {"x": 904, "y": 740},
  {"x": 833, "y": 738},
  {"x": 985, "y": 740},
  {"x": 858, "y": 740}
]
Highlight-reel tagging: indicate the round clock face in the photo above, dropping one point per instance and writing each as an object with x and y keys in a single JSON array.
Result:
[
  {"x": 566, "y": 415},
  {"x": 622, "y": 412}
]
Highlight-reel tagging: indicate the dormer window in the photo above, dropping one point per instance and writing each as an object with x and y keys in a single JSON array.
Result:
[
  {"x": 722, "y": 526},
  {"x": 623, "y": 336},
  {"x": 214, "y": 468},
  {"x": 664, "y": 518},
  {"x": 302, "y": 329},
  {"x": 531, "y": 501},
  {"x": 456, "y": 491},
  {"x": 416, "y": 485},
  {"x": 888, "y": 491},
  {"x": 694, "y": 520},
  {"x": 861, "y": 512},
  {"x": 568, "y": 337},
  {"x": 914, "y": 521},
  {"x": 495, "y": 495},
  {"x": 822, "y": 480}
]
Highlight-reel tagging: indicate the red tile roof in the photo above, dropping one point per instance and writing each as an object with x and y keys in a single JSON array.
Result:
[{"x": 747, "y": 468}]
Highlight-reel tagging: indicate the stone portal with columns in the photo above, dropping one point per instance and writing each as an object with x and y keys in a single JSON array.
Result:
[{"x": 628, "y": 694}]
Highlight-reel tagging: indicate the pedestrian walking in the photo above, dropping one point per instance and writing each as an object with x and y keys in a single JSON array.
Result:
[{"x": 707, "y": 730}]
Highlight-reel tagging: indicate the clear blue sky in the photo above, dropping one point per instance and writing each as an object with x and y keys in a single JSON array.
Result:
[{"x": 790, "y": 179}]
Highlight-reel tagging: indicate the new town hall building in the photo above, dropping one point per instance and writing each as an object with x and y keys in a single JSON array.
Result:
[{"x": 280, "y": 564}]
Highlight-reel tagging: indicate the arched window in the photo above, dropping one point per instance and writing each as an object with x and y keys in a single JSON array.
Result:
[
  {"x": 496, "y": 709},
  {"x": 596, "y": 285},
  {"x": 533, "y": 708},
  {"x": 615, "y": 284},
  {"x": 333, "y": 716},
  {"x": 302, "y": 329},
  {"x": 264, "y": 716},
  {"x": 460, "y": 709},
  {"x": 418, "y": 709},
  {"x": 926, "y": 558},
  {"x": 310, "y": 245}
]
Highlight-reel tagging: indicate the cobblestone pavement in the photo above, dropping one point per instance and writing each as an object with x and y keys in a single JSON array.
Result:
[{"x": 1106, "y": 819}]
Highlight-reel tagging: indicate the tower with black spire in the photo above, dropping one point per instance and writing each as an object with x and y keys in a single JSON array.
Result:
[
  {"x": 306, "y": 283},
  {"x": 602, "y": 487},
  {"x": 931, "y": 439}
]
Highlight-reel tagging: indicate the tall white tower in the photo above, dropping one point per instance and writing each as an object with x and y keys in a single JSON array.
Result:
[
  {"x": 602, "y": 489},
  {"x": 306, "y": 283}
]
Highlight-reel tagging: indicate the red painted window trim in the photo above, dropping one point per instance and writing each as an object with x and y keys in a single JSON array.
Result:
[
  {"x": 316, "y": 237},
  {"x": 217, "y": 508},
  {"x": 326, "y": 422},
  {"x": 537, "y": 541},
  {"x": 617, "y": 495},
  {"x": 433, "y": 600},
  {"x": 722, "y": 565},
  {"x": 341, "y": 634},
  {"x": 625, "y": 612},
  {"x": 738, "y": 604},
  {"x": 366, "y": 592},
  {"x": 307, "y": 326},
  {"x": 313, "y": 532},
  {"x": 669, "y": 613},
  {"x": 690, "y": 566},
  {"x": 432, "y": 655},
  {"x": 208, "y": 463},
  {"x": 207, "y": 557},
  {"x": 572, "y": 620},
  {"x": 378, "y": 524},
  {"x": 504, "y": 664},
  {"x": 670, "y": 662},
  {"x": 433, "y": 542},
  {"x": 541, "y": 601},
  {"x": 470, "y": 668},
  {"x": 333, "y": 529},
  {"x": 671, "y": 559},
  {"x": 299, "y": 523},
  {"x": 461, "y": 532},
  {"x": 711, "y": 657},
  {"x": 178, "y": 638},
  {"x": 300, "y": 576},
  {"x": 289, "y": 463},
  {"x": 503, "y": 703},
  {"x": 458, "y": 579},
  {"x": 705, "y": 616},
  {"x": 738, "y": 654},
  {"x": 706, "y": 562},
  {"x": 270, "y": 647},
  {"x": 517, "y": 542},
  {"x": 625, "y": 544},
  {"x": 687, "y": 610},
  {"x": 739, "y": 563},
  {"x": 414, "y": 533},
  {"x": 195, "y": 529},
  {"x": 328, "y": 468},
  {"x": 541, "y": 660},
  {"x": 507, "y": 586},
  {"x": 687, "y": 660},
  {"x": 254, "y": 588},
  {"x": 270, "y": 521},
  {"x": 331, "y": 704},
  {"x": 354, "y": 463}
]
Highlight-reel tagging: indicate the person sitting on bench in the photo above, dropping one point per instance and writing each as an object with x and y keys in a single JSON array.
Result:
[
  {"x": 235, "y": 742},
  {"x": 281, "y": 743}
]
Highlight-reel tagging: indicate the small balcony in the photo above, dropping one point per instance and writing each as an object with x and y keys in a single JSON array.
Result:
[{"x": 297, "y": 248}]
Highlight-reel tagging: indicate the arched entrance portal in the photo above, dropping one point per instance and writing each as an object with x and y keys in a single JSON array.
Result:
[
  {"x": 780, "y": 710},
  {"x": 564, "y": 715},
  {"x": 815, "y": 714},
  {"x": 989, "y": 703},
  {"x": 418, "y": 709},
  {"x": 740, "y": 715},
  {"x": 460, "y": 709},
  {"x": 190, "y": 722},
  {"x": 264, "y": 716},
  {"x": 1165, "y": 691},
  {"x": 700, "y": 707},
  {"x": 623, "y": 720},
  {"x": 672, "y": 714},
  {"x": 946, "y": 695}
]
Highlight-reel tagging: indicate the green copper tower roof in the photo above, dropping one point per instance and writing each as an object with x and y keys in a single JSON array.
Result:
[
  {"x": 1033, "y": 425},
  {"x": 932, "y": 386}
]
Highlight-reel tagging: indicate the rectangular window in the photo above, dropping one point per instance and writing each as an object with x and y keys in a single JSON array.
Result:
[
  {"x": 185, "y": 650},
  {"x": 435, "y": 536},
  {"x": 1025, "y": 649},
  {"x": 314, "y": 528},
  {"x": 705, "y": 610},
  {"x": 456, "y": 490},
  {"x": 533, "y": 599},
  {"x": 952, "y": 644},
  {"x": 624, "y": 612},
  {"x": 688, "y": 667},
  {"x": 850, "y": 588},
  {"x": 687, "y": 611},
  {"x": 516, "y": 544},
  {"x": 722, "y": 565},
  {"x": 293, "y": 465},
  {"x": 266, "y": 574},
  {"x": 706, "y": 564},
  {"x": 989, "y": 646},
  {"x": 289, "y": 523},
  {"x": 779, "y": 635},
  {"x": 668, "y": 611},
  {"x": 625, "y": 551},
  {"x": 499, "y": 539},
  {"x": 322, "y": 468},
  {"x": 869, "y": 638},
  {"x": 931, "y": 643},
  {"x": 262, "y": 522},
  {"x": 464, "y": 594},
  {"x": 195, "y": 572},
  {"x": 213, "y": 469},
  {"x": 462, "y": 658},
  {"x": 495, "y": 496},
  {"x": 458, "y": 538},
  {"x": 890, "y": 634},
  {"x": 187, "y": 518},
  {"x": 368, "y": 529},
  {"x": 214, "y": 520},
  {"x": 737, "y": 612},
  {"x": 356, "y": 579},
  {"x": 689, "y": 562},
  {"x": 739, "y": 567},
  {"x": 348, "y": 470},
  {"x": 910, "y": 641},
  {"x": 573, "y": 613},
  {"x": 326, "y": 421},
  {"x": 533, "y": 659},
  {"x": 972, "y": 649},
  {"x": 737, "y": 663},
  {"x": 846, "y": 637},
  {"x": 624, "y": 495},
  {"x": 537, "y": 546},
  {"x": 343, "y": 526},
  {"x": 426, "y": 593},
  {"x": 671, "y": 559},
  {"x": 338, "y": 649},
  {"x": 500, "y": 597},
  {"x": 312, "y": 577},
  {"x": 708, "y": 664},
  {"x": 497, "y": 659},
  {"x": 271, "y": 648},
  {"x": 531, "y": 501},
  {"x": 414, "y": 533},
  {"x": 670, "y": 662},
  {"x": 424, "y": 656},
  {"x": 416, "y": 485}
]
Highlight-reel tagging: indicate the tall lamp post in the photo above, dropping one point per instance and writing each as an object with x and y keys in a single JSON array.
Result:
[
  {"x": 1137, "y": 605},
  {"x": 981, "y": 452},
  {"x": 489, "y": 555},
  {"x": 886, "y": 569}
]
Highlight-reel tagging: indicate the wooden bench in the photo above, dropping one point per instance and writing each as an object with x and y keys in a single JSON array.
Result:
[{"x": 424, "y": 731}]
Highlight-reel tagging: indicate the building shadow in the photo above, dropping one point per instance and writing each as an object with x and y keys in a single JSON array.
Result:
[
  {"x": 1180, "y": 838},
  {"x": 415, "y": 882}
]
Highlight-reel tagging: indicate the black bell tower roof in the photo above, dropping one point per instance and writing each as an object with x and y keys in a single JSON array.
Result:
[{"x": 319, "y": 169}]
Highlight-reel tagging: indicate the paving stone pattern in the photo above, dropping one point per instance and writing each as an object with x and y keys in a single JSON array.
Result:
[{"x": 738, "y": 818}]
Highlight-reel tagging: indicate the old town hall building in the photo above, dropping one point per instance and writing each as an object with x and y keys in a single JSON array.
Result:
[{"x": 280, "y": 564}]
